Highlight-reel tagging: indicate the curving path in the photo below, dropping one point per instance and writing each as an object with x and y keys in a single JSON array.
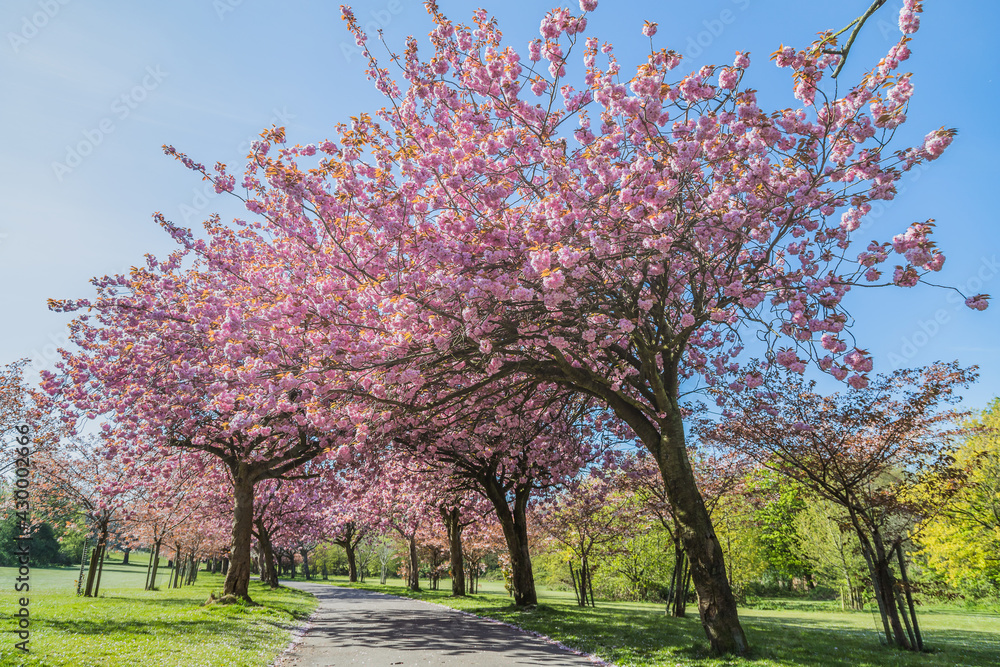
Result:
[{"x": 355, "y": 627}]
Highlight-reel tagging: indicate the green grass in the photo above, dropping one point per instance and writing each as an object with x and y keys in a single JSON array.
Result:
[
  {"x": 638, "y": 634},
  {"x": 128, "y": 626}
]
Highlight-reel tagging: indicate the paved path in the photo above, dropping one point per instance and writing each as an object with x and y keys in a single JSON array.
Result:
[{"x": 355, "y": 627}]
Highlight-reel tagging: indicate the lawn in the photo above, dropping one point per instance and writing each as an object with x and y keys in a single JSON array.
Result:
[
  {"x": 638, "y": 634},
  {"x": 128, "y": 626}
]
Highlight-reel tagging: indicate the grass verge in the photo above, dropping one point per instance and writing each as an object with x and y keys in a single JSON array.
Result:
[
  {"x": 640, "y": 635},
  {"x": 128, "y": 626}
]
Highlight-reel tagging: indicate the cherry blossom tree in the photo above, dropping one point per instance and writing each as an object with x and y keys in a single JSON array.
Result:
[
  {"x": 459, "y": 511},
  {"x": 293, "y": 514},
  {"x": 193, "y": 358},
  {"x": 12, "y": 394},
  {"x": 535, "y": 440},
  {"x": 348, "y": 534},
  {"x": 483, "y": 539},
  {"x": 169, "y": 491},
  {"x": 82, "y": 475},
  {"x": 618, "y": 239},
  {"x": 403, "y": 502}
]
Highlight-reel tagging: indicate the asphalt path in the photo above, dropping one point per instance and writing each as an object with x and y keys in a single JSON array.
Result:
[{"x": 356, "y": 627}]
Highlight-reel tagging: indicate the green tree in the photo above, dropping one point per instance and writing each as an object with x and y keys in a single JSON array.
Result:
[
  {"x": 832, "y": 551},
  {"x": 739, "y": 534},
  {"x": 640, "y": 566},
  {"x": 780, "y": 500},
  {"x": 44, "y": 545},
  {"x": 961, "y": 545}
]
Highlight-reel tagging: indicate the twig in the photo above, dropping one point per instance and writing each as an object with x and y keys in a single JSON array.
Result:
[{"x": 857, "y": 24}]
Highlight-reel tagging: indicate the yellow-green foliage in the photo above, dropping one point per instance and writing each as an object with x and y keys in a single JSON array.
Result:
[
  {"x": 833, "y": 553},
  {"x": 962, "y": 544},
  {"x": 746, "y": 560}
]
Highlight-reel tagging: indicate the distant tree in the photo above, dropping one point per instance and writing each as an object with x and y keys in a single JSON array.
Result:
[
  {"x": 779, "y": 501},
  {"x": 589, "y": 515},
  {"x": 82, "y": 474},
  {"x": 832, "y": 550},
  {"x": 12, "y": 398},
  {"x": 962, "y": 543},
  {"x": 186, "y": 359},
  {"x": 866, "y": 451}
]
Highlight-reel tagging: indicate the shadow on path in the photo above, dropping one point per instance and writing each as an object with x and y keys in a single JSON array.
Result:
[{"x": 355, "y": 627}]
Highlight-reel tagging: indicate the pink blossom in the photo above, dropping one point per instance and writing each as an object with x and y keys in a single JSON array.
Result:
[
  {"x": 554, "y": 280},
  {"x": 728, "y": 78},
  {"x": 588, "y": 5},
  {"x": 541, "y": 260},
  {"x": 535, "y": 50},
  {"x": 858, "y": 381},
  {"x": 978, "y": 302},
  {"x": 936, "y": 142},
  {"x": 859, "y": 361},
  {"x": 905, "y": 277},
  {"x": 649, "y": 29},
  {"x": 909, "y": 19}
]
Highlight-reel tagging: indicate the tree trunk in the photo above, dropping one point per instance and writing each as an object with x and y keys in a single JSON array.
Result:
[
  {"x": 577, "y": 587},
  {"x": 453, "y": 524},
  {"x": 103, "y": 545},
  {"x": 413, "y": 581},
  {"x": 682, "y": 598},
  {"x": 92, "y": 571},
  {"x": 515, "y": 531},
  {"x": 126, "y": 553},
  {"x": 268, "y": 573},
  {"x": 883, "y": 583},
  {"x": 176, "y": 580},
  {"x": 919, "y": 643},
  {"x": 352, "y": 561},
  {"x": 675, "y": 597},
  {"x": 716, "y": 603},
  {"x": 590, "y": 581},
  {"x": 305, "y": 562},
  {"x": 192, "y": 574},
  {"x": 149, "y": 568},
  {"x": 238, "y": 578},
  {"x": 155, "y": 566},
  {"x": 887, "y": 591}
]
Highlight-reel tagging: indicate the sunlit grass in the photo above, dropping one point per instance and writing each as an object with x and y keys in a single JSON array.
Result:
[{"x": 128, "y": 626}]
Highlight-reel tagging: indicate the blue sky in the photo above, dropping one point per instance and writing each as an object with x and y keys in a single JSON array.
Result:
[{"x": 93, "y": 89}]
